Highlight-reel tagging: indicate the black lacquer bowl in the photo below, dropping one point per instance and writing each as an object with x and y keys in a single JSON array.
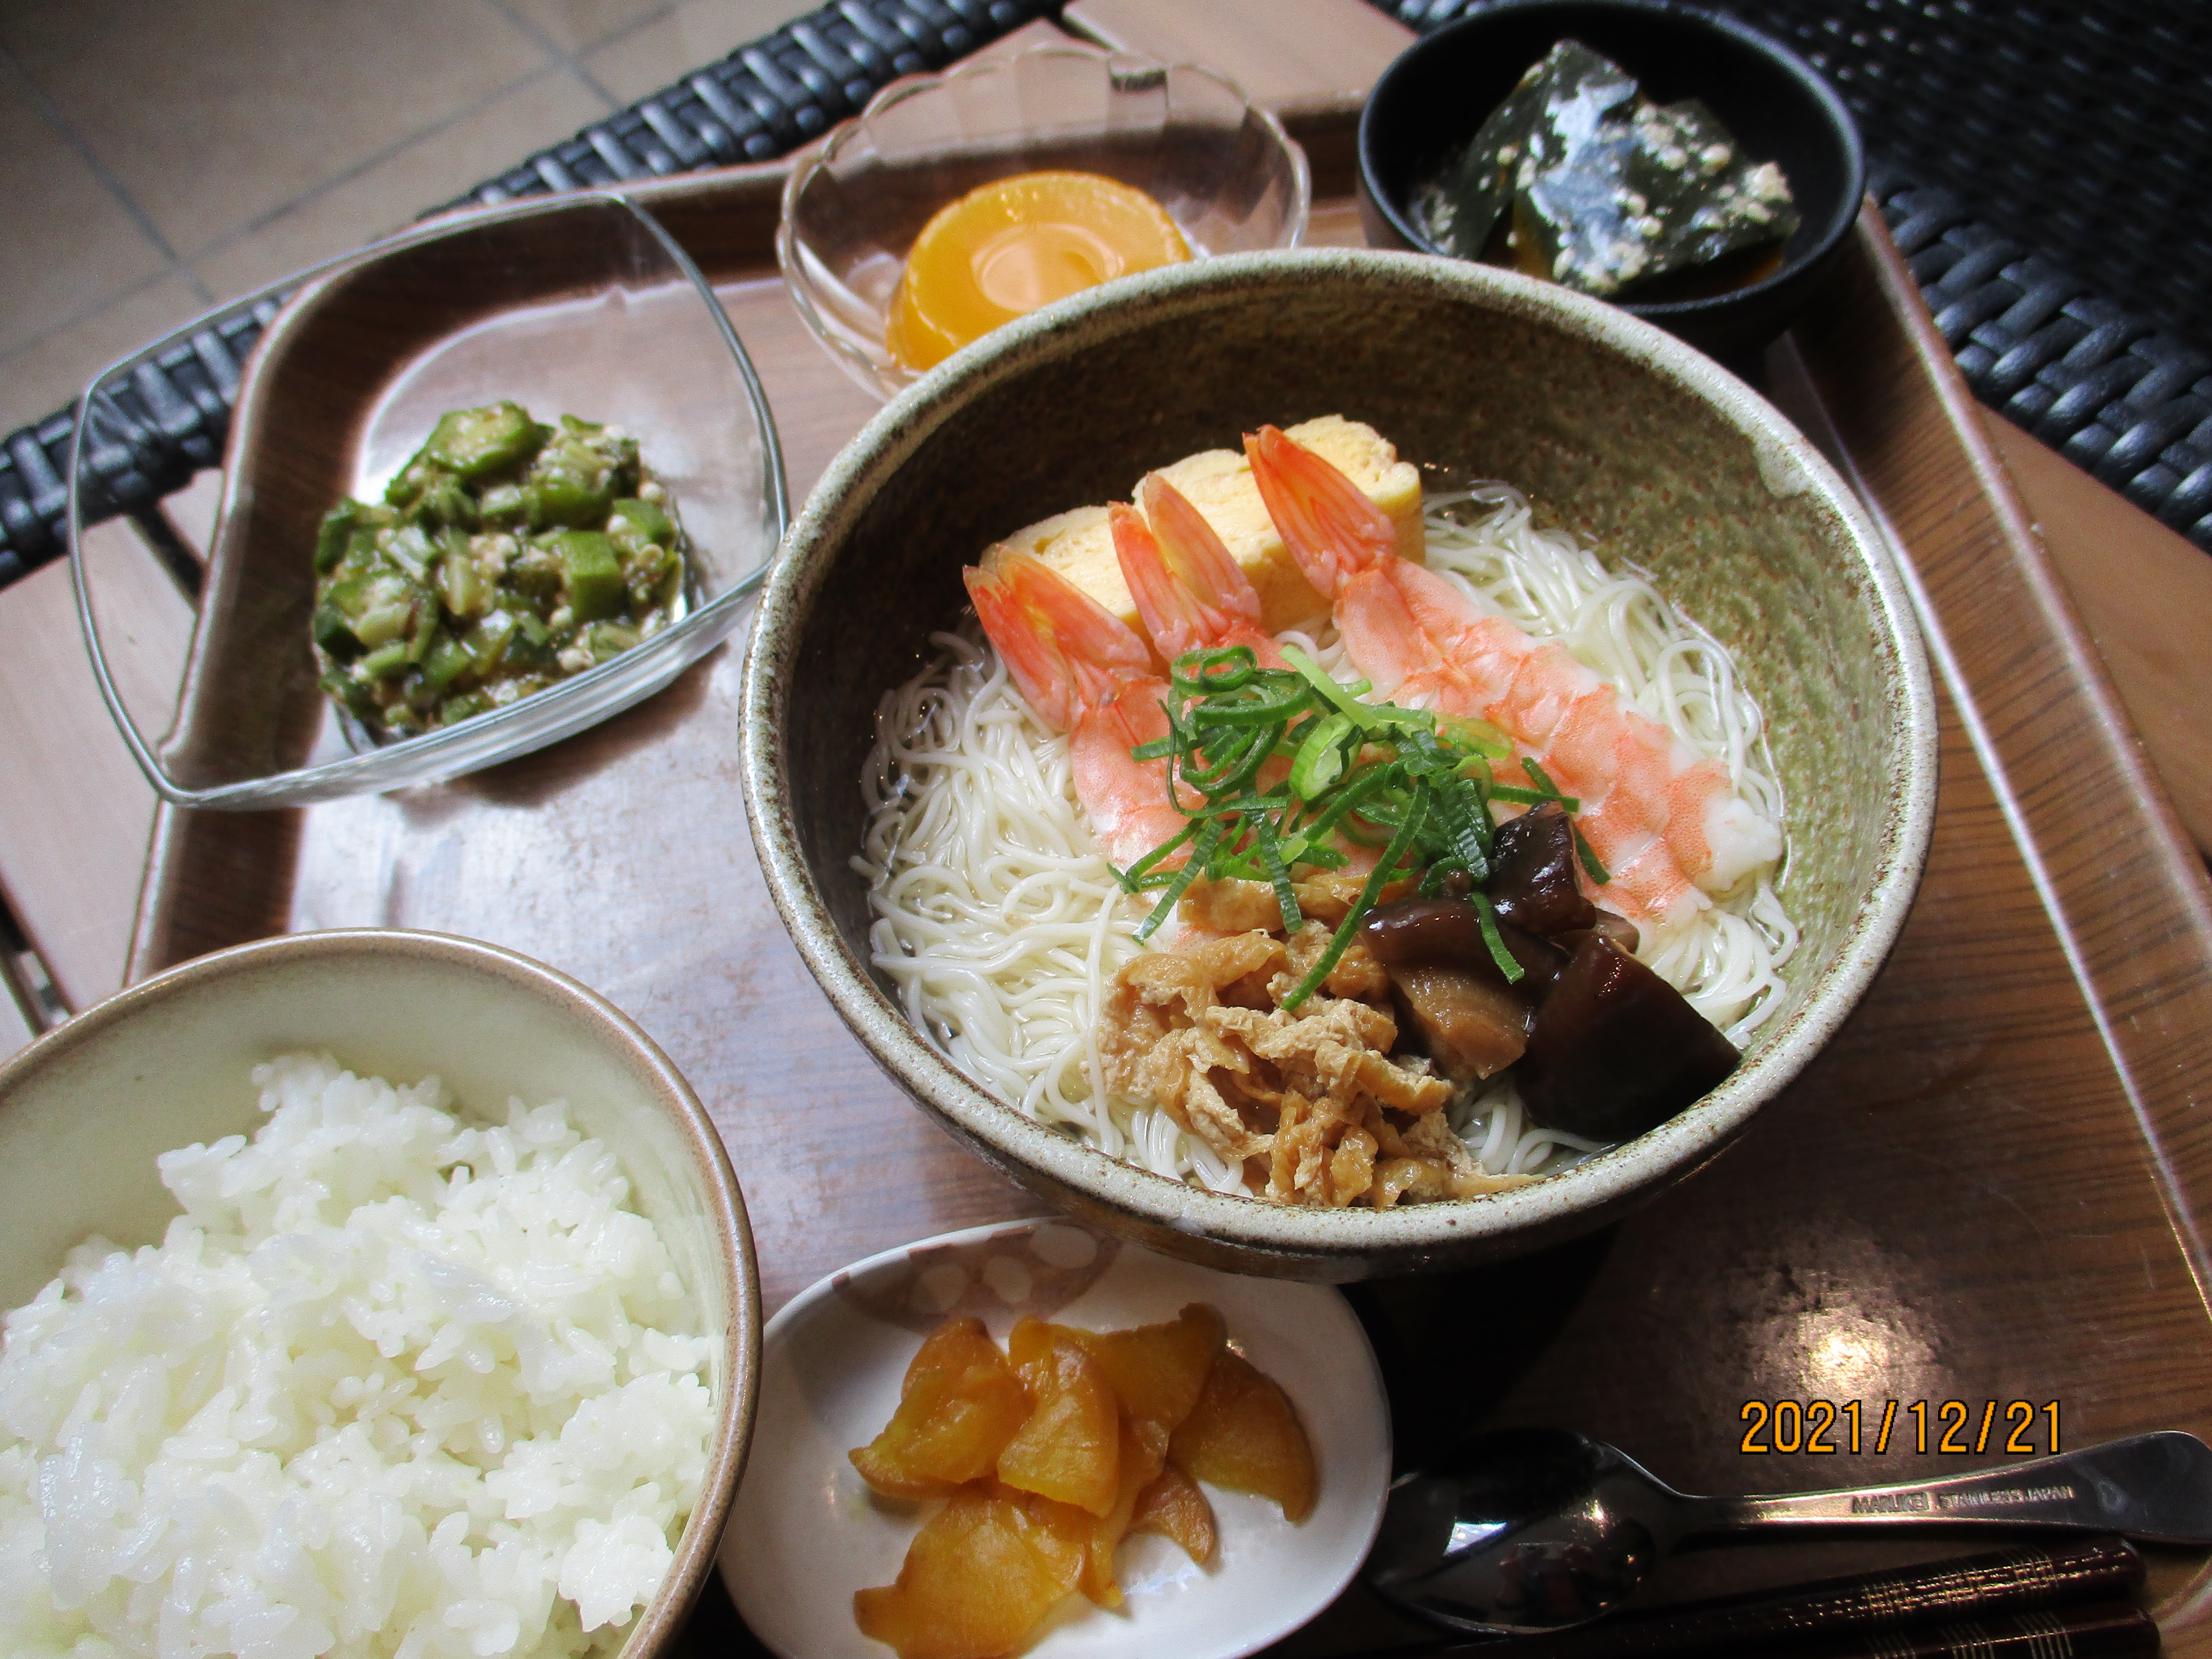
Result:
[{"x": 1429, "y": 103}]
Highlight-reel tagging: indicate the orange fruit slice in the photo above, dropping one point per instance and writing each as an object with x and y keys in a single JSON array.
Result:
[{"x": 1015, "y": 244}]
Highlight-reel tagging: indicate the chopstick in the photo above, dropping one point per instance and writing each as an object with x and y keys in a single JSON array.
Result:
[
  {"x": 2115, "y": 1630},
  {"x": 1886, "y": 1613}
]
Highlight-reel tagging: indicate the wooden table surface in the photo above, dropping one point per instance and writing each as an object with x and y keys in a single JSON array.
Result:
[{"x": 1988, "y": 1188}]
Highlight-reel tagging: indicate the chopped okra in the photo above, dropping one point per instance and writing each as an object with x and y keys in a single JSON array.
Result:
[{"x": 506, "y": 556}]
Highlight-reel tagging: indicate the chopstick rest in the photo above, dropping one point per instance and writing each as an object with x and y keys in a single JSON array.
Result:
[{"x": 1933, "y": 1596}]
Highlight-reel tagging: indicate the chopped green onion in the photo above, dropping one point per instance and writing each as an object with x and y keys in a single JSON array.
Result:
[
  {"x": 1271, "y": 856},
  {"x": 1379, "y": 716},
  {"x": 1280, "y": 711},
  {"x": 1469, "y": 849},
  {"x": 1356, "y": 790},
  {"x": 1583, "y": 850},
  {"x": 1371, "y": 773},
  {"x": 1318, "y": 677},
  {"x": 1480, "y": 736},
  {"x": 1376, "y": 879},
  {"x": 1590, "y": 858},
  {"x": 1199, "y": 680},
  {"x": 1239, "y": 767},
  {"x": 1277, "y": 799},
  {"x": 1519, "y": 796},
  {"x": 1507, "y": 965},
  {"x": 1208, "y": 839},
  {"x": 1376, "y": 719},
  {"x": 1143, "y": 867}
]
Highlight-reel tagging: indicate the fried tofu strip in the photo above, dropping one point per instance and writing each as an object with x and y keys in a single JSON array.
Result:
[{"x": 1310, "y": 1101}]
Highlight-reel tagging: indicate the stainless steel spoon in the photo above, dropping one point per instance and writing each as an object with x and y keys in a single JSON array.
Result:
[{"x": 1530, "y": 1529}]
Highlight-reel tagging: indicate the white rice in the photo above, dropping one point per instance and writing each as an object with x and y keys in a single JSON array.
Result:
[{"x": 398, "y": 1382}]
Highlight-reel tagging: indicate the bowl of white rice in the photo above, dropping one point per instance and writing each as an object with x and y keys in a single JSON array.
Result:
[{"x": 371, "y": 1293}]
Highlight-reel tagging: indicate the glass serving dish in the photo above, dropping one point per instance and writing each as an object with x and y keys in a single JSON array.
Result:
[
  {"x": 1223, "y": 169},
  {"x": 582, "y": 305}
]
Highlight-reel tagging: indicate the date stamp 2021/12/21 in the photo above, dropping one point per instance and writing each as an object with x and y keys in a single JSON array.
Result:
[{"x": 2017, "y": 1428}]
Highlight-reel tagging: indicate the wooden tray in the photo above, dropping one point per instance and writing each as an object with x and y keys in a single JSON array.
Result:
[{"x": 1987, "y": 1189}]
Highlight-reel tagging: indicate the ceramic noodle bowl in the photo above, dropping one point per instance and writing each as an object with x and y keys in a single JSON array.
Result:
[{"x": 1614, "y": 429}]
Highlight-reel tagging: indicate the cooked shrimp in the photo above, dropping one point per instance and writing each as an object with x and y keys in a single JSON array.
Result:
[
  {"x": 1191, "y": 594},
  {"x": 1066, "y": 652},
  {"x": 1087, "y": 674},
  {"x": 1661, "y": 818}
]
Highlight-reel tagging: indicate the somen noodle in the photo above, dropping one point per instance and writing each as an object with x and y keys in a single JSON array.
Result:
[{"x": 1002, "y": 925}]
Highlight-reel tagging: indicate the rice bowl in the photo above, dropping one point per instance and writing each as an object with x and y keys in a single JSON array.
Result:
[{"x": 557, "y": 1360}]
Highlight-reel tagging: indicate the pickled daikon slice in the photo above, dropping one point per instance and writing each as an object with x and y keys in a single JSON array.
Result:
[
  {"x": 978, "y": 1577},
  {"x": 1243, "y": 1434},
  {"x": 959, "y": 1406},
  {"x": 1093, "y": 1435},
  {"x": 1144, "y": 1454},
  {"x": 1071, "y": 1448},
  {"x": 1159, "y": 1370},
  {"x": 1175, "y": 1508}
]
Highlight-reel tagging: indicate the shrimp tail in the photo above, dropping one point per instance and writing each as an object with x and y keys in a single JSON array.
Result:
[
  {"x": 1190, "y": 592},
  {"x": 1066, "y": 652},
  {"x": 1332, "y": 530}
]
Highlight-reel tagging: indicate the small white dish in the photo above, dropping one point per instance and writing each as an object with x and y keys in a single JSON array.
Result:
[{"x": 806, "y": 1532}]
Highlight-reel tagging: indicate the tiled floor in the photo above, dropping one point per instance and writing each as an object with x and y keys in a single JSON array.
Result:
[{"x": 161, "y": 156}]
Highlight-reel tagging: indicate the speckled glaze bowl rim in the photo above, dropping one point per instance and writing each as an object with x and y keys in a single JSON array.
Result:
[
  {"x": 1607, "y": 1181},
  {"x": 658, "y": 1621}
]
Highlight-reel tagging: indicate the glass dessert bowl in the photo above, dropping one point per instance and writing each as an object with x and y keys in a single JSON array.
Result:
[{"x": 1222, "y": 171}]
